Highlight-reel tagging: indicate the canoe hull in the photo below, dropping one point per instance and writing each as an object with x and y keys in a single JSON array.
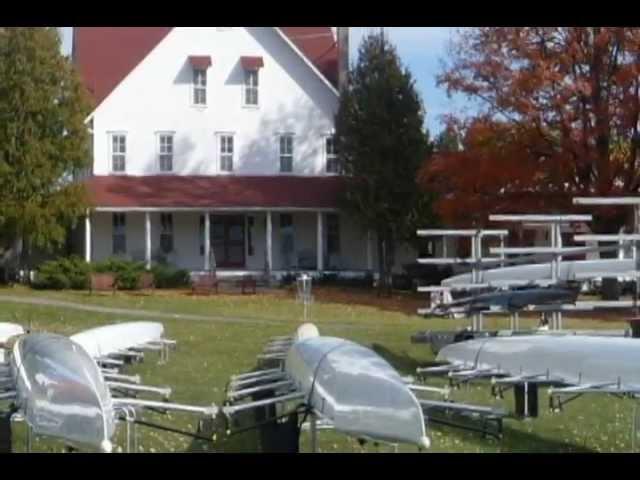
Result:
[
  {"x": 574, "y": 358},
  {"x": 110, "y": 339},
  {"x": 61, "y": 391},
  {"x": 8, "y": 330},
  {"x": 357, "y": 390},
  {"x": 569, "y": 270}
]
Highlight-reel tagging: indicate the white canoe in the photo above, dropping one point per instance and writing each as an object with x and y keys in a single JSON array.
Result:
[
  {"x": 569, "y": 270},
  {"x": 61, "y": 391},
  {"x": 8, "y": 330},
  {"x": 110, "y": 339},
  {"x": 356, "y": 390},
  {"x": 575, "y": 359}
]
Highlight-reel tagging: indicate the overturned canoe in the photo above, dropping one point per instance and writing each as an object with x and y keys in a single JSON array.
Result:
[
  {"x": 61, "y": 391},
  {"x": 356, "y": 390},
  {"x": 110, "y": 339},
  {"x": 8, "y": 330},
  {"x": 573, "y": 358},
  {"x": 568, "y": 271}
]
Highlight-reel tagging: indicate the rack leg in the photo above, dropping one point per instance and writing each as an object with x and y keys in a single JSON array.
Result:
[{"x": 314, "y": 432}]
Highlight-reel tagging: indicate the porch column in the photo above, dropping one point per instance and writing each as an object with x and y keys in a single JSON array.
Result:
[
  {"x": 87, "y": 237},
  {"x": 320, "y": 246},
  {"x": 369, "y": 250},
  {"x": 147, "y": 240},
  {"x": 269, "y": 252},
  {"x": 207, "y": 242}
]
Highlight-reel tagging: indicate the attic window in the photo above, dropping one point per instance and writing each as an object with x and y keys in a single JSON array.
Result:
[{"x": 200, "y": 62}]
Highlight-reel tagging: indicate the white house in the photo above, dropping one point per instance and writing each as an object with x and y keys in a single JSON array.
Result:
[{"x": 212, "y": 146}]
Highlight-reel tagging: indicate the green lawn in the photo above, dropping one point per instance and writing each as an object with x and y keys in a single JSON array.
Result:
[{"x": 209, "y": 351}]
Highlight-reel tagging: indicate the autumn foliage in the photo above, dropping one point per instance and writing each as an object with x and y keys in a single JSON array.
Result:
[{"x": 558, "y": 118}]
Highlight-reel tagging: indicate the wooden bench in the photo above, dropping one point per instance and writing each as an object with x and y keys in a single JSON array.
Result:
[
  {"x": 247, "y": 284},
  {"x": 205, "y": 283},
  {"x": 102, "y": 282}
]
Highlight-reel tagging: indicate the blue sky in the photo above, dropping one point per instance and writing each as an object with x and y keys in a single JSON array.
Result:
[{"x": 420, "y": 48}]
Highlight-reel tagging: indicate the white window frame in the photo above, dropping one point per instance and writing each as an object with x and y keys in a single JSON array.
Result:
[
  {"x": 196, "y": 87},
  {"x": 219, "y": 142},
  {"x": 160, "y": 153},
  {"x": 111, "y": 136},
  {"x": 291, "y": 155},
  {"x": 328, "y": 157},
  {"x": 255, "y": 87}
]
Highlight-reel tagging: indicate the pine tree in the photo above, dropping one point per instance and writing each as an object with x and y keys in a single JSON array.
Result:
[
  {"x": 382, "y": 142},
  {"x": 43, "y": 141}
]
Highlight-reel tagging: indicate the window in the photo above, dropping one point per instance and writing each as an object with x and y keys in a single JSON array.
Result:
[
  {"x": 201, "y": 235},
  {"x": 331, "y": 155},
  {"x": 119, "y": 234},
  {"x": 226, "y": 152},
  {"x": 286, "y": 153},
  {"x": 251, "y": 87},
  {"x": 250, "y": 223},
  {"x": 287, "y": 239},
  {"x": 118, "y": 152},
  {"x": 166, "y": 233},
  {"x": 333, "y": 234},
  {"x": 165, "y": 152},
  {"x": 199, "y": 86}
]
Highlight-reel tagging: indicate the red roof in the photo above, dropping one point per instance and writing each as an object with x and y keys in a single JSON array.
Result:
[
  {"x": 171, "y": 191},
  {"x": 200, "y": 61},
  {"x": 251, "y": 63},
  {"x": 106, "y": 55},
  {"x": 319, "y": 45}
]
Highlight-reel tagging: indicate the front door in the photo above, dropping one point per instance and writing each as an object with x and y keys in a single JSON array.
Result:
[{"x": 227, "y": 240}]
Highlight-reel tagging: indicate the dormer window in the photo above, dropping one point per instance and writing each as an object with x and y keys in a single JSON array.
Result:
[
  {"x": 199, "y": 87},
  {"x": 251, "y": 66},
  {"x": 200, "y": 65}
]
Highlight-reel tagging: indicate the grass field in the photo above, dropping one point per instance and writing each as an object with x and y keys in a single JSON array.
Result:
[{"x": 210, "y": 350}]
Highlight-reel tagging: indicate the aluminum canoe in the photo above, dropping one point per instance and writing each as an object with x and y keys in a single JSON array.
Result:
[
  {"x": 356, "y": 390},
  {"x": 576, "y": 359},
  {"x": 8, "y": 330},
  {"x": 61, "y": 391},
  {"x": 110, "y": 339},
  {"x": 568, "y": 271}
]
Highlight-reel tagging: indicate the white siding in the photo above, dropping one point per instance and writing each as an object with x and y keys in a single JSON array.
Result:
[{"x": 156, "y": 97}]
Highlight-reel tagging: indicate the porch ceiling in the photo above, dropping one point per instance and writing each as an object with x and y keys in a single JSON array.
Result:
[{"x": 221, "y": 192}]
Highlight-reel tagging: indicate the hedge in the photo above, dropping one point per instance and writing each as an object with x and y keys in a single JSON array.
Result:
[{"x": 73, "y": 273}]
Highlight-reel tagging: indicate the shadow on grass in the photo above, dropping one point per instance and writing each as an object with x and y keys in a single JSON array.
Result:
[
  {"x": 513, "y": 440},
  {"x": 401, "y": 362}
]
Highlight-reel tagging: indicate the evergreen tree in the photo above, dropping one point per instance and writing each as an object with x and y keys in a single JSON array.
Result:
[
  {"x": 43, "y": 141},
  {"x": 382, "y": 143}
]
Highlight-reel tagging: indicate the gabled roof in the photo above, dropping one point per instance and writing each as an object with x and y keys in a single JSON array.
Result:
[
  {"x": 229, "y": 191},
  {"x": 106, "y": 55}
]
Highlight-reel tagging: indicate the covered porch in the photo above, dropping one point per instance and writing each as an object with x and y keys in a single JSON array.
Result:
[
  {"x": 231, "y": 242},
  {"x": 233, "y": 225}
]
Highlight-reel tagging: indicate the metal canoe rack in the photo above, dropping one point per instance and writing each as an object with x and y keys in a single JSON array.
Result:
[
  {"x": 476, "y": 259},
  {"x": 533, "y": 254}
]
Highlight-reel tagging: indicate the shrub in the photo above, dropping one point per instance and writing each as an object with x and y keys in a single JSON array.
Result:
[
  {"x": 63, "y": 273},
  {"x": 127, "y": 272},
  {"x": 166, "y": 276}
]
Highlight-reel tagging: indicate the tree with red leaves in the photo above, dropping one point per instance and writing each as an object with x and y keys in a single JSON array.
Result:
[{"x": 559, "y": 111}]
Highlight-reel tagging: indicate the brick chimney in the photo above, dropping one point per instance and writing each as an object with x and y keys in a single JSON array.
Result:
[{"x": 343, "y": 56}]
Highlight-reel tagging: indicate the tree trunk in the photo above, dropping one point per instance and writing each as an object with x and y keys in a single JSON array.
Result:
[
  {"x": 382, "y": 275},
  {"x": 385, "y": 262}
]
